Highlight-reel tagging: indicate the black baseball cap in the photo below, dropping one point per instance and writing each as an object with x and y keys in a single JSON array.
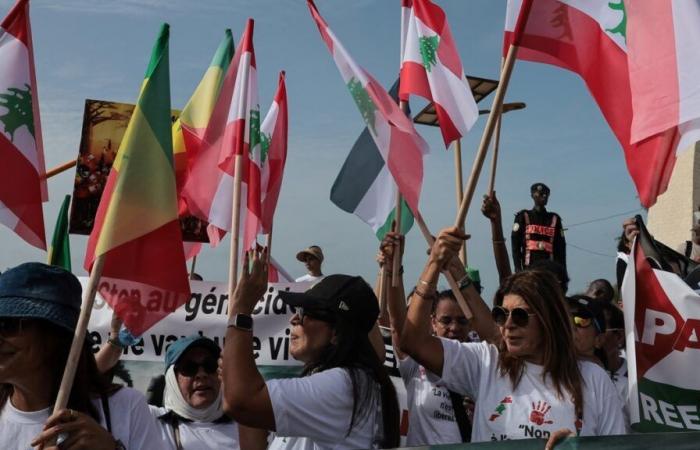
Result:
[
  {"x": 348, "y": 297},
  {"x": 539, "y": 187},
  {"x": 584, "y": 306}
]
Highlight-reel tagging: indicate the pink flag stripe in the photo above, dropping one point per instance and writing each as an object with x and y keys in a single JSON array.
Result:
[{"x": 277, "y": 156}]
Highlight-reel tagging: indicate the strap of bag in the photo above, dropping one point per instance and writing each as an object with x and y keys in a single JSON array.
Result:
[{"x": 465, "y": 428}]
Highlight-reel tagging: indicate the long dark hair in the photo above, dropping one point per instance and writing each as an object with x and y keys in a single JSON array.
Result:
[
  {"x": 88, "y": 380},
  {"x": 542, "y": 293},
  {"x": 353, "y": 351}
]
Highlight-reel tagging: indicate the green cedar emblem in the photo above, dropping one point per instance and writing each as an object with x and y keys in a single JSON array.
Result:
[
  {"x": 254, "y": 131},
  {"x": 18, "y": 103},
  {"x": 428, "y": 51},
  {"x": 265, "y": 141},
  {"x": 363, "y": 102},
  {"x": 621, "y": 27}
]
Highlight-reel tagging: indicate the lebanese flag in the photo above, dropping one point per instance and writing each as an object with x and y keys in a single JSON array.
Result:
[
  {"x": 432, "y": 69},
  {"x": 588, "y": 37},
  {"x": 663, "y": 48},
  {"x": 397, "y": 140},
  {"x": 233, "y": 129},
  {"x": 21, "y": 150},
  {"x": 273, "y": 136}
]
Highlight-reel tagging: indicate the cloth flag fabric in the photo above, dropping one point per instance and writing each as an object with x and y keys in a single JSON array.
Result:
[
  {"x": 663, "y": 40},
  {"x": 23, "y": 188},
  {"x": 59, "y": 251},
  {"x": 277, "y": 274},
  {"x": 273, "y": 138},
  {"x": 136, "y": 227},
  {"x": 662, "y": 322},
  {"x": 431, "y": 68},
  {"x": 400, "y": 146},
  {"x": 588, "y": 37},
  {"x": 233, "y": 129},
  {"x": 196, "y": 113},
  {"x": 365, "y": 187}
]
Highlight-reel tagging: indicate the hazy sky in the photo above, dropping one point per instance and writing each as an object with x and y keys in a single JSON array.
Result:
[{"x": 99, "y": 49}]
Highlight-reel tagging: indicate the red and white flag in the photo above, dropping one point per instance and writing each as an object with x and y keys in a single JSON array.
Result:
[
  {"x": 273, "y": 138},
  {"x": 588, "y": 37},
  {"x": 398, "y": 142},
  {"x": 432, "y": 69},
  {"x": 23, "y": 173},
  {"x": 663, "y": 50},
  {"x": 233, "y": 129}
]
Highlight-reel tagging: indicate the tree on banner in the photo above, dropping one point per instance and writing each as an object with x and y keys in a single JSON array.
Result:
[
  {"x": 432, "y": 69},
  {"x": 59, "y": 251},
  {"x": 662, "y": 322},
  {"x": 400, "y": 146},
  {"x": 23, "y": 187},
  {"x": 588, "y": 37},
  {"x": 137, "y": 234}
]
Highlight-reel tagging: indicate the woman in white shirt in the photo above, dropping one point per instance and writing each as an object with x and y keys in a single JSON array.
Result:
[
  {"x": 530, "y": 385},
  {"x": 344, "y": 399},
  {"x": 39, "y": 308}
]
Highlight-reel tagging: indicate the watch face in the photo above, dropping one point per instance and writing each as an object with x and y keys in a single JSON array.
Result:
[{"x": 244, "y": 321}]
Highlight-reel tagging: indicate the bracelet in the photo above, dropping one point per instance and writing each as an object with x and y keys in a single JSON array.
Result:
[
  {"x": 425, "y": 295},
  {"x": 423, "y": 282},
  {"x": 116, "y": 343},
  {"x": 465, "y": 282},
  {"x": 499, "y": 241}
]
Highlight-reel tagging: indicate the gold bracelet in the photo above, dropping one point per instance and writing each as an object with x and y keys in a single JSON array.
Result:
[
  {"x": 425, "y": 295},
  {"x": 423, "y": 282}
]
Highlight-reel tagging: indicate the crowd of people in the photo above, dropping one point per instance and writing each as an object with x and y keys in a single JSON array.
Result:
[{"x": 537, "y": 364}]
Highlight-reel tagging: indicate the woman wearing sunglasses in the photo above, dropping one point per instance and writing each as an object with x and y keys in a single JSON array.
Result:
[
  {"x": 529, "y": 385},
  {"x": 588, "y": 321},
  {"x": 344, "y": 398},
  {"x": 39, "y": 308}
]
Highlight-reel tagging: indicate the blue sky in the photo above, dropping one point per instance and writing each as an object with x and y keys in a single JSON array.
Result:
[{"x": 99, "y": 49}]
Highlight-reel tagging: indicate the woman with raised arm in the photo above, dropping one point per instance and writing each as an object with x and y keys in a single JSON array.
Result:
[
  {"x": 530, "y": 385},
  {"x": 344, "y": 398}
]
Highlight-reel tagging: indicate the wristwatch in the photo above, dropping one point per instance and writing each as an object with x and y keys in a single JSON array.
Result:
[{"x": 242, "y": 322}]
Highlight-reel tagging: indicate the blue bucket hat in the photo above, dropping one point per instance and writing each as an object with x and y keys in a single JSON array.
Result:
[
  {"x": 179, "y": 347},
  {"x": 39, "y": 291}
]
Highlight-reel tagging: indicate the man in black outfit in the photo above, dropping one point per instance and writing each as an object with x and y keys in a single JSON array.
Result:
[{"x": 537, "y": 233}]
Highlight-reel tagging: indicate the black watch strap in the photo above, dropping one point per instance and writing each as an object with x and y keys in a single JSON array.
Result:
[{"x": 242, "y": 322}]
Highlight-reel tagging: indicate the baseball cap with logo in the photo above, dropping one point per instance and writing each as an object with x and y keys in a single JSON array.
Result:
[
  {"x": 347, "y": 297},
  {"x": 539, "y": 187},
  {"x": 314, "y": 251}
]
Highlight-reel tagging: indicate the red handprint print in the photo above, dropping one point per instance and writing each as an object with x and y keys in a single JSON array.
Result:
[{"x": 538, "y": 412}]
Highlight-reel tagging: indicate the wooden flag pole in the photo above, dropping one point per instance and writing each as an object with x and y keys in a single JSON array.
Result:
[
  {"x": 450, "y": 279},
  {"x": 76, "y": 347},
  {"x": 494, "y": 157},
  {"x": 237, "y": 177},
  {"x": 459, "y": 182},
  {"x": 60, "y": 169},
  {"x": 488, "y": 133},
  {"x": 194, "y": 262}
]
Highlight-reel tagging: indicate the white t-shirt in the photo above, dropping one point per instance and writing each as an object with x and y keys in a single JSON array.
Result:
[
  {"x": 131, "y": 423},
  {"x": 309, "y": 278},
  {"x": 314, "y": 412},
  {"x": 533, "y": 409},
  {"x": 197, "y": 435},
  {"x": 431, "y": 419},
  {"x": 619, "y": 379}
]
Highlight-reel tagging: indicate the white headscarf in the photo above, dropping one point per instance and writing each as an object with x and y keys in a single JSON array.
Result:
[{"x": 174, "y": 401}]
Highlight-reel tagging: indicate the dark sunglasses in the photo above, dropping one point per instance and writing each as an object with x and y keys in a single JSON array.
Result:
[
  {"x": 12, "y": 326},
  {"x": 584, "y": 322},
  {"x": 191, "y": 368},
  {"x": 519, "y": 316},
  {"x": 314, "y": 314},
  {"x": 447, "y": 320}
]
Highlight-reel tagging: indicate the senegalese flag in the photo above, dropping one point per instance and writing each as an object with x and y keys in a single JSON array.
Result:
[
  {"x": 136, "y": 228},
  {"x": 59, "y": 251},
  {"x": 189, "y": 128}
]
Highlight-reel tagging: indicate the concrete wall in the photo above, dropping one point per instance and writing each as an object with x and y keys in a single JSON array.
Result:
[{"x": 671, "y": 218}]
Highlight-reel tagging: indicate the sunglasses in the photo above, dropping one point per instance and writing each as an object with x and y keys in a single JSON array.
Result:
[
  {"x": 581, "y": 322},
  {"x": 191, "y": 368},
  {"x": 314, "y": 314},
  {"x": 519, "y": 316},
  {"x": 12, "y": 326},
  {"x": 447, "y": 321}
]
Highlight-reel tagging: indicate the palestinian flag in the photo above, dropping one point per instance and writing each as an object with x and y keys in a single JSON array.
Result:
[
  {"x": 59, "y": 252},
  {"x": 431, "y": 68},
  {"x": 23, "y": 187},
  {"x": 188, "y": 129},
  {"x": 399, "y": 144},
  {"x": 365, "y": 187},
  {"x": 589, "y": 37},
  {"x": 136, "y": 228},
  {"x": 662, "y": 323},
  {"x": 273, "y": 138}
]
